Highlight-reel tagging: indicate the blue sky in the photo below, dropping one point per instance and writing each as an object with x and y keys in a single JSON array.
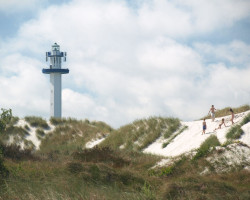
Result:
[{"x": 127, "y": 59}]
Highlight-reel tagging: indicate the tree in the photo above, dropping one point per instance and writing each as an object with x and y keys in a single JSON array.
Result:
[{"x": 5, "y": 118}]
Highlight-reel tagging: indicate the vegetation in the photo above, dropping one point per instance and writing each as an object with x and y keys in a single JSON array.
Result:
[
  {"x": 173, "y": 125},
  {"x": 40, "y": 133},
  {"x": 5, "y": 119},
  {"x": 72, "y": 135},
  {"x": 225, "y": 111},
  {"x": 210, "y": 142},
  {"x": 245, "y": 120},
  {"x": 64, "y": 169},
  {"x": 235, "y": 131},
  {"x": 141, "y": 133},
  {"x": 37, "y": 122},
  {"x": 57, "y": 121}
]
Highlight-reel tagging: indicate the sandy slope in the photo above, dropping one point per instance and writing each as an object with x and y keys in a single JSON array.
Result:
[
  {"x": 32, "y": 132},
  {"x": 192, "y": 138}
]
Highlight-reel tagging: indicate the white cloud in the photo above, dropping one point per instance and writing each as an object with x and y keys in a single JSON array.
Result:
[
  {"x": 236, "y": 52},
  {"x": 125, "y": 63},
  {"x": 22, "y": 86},
  {"x": 207, "y": 16}
]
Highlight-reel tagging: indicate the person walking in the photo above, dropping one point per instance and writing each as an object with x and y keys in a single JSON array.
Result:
[
  {"x": 212, "y": 111},
  {"x": 232, "y": 115},
  {"x": 204, "y": 127}
]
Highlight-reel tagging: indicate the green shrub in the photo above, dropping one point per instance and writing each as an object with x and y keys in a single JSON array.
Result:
[
  {"x": 211, "y": 141},
  {"x": 5, "y": 118},
  {"x": 234, "y": 132}
]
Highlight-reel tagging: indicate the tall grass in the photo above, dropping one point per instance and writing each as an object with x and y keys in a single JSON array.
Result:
[{"x": 87, "y": 174}]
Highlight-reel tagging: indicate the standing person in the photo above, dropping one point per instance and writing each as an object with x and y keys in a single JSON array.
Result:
[
  {"x": 212, "y": 111},
  {"x": 232, "y": 114},
  {"x": 204, "y": 127}
]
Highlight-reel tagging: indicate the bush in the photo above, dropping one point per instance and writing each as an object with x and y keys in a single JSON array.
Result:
[
  {"x": 211, "y": 141},
  {"x": 5, "y": 118}
]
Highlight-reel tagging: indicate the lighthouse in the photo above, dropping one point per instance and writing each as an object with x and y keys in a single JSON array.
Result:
[{"x": 55, "y": 71}]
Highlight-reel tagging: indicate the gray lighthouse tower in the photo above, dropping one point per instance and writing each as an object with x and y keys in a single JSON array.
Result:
[{"x": 55, "y": 71}]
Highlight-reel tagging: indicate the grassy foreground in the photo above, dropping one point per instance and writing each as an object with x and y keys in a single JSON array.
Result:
[{"x": 103, "y": 173}]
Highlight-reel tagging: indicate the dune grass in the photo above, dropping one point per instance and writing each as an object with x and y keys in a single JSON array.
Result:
[
  {"x": 225, "y": 111},
  {"x": 235, "y": 132},
  {"x": 103, "y": 173},
  {"x": 98, "y": 173},
  {"x": 210, "y": 142},
  {"x": 37, "y": 122},
  {"x": 141, "y": 133},
  {"x": 72, "y": 135}
]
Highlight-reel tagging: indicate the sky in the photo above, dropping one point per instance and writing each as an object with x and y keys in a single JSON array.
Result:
[{"x": 128, "y": 59}]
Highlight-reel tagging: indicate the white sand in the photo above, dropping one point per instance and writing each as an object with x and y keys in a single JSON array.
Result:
[
  {"x": 32, "y": 132},
  {"x": 93, "y": 143},
  {"x": 192, "y": 137},
  {"x": 233, "y": 155},
  {"x": 246, "y": 137}
]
